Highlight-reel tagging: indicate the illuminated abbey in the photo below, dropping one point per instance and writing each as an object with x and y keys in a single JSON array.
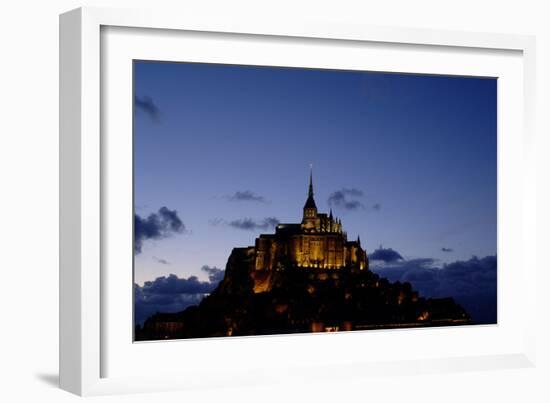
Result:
[{"x": 319, "y": 241}]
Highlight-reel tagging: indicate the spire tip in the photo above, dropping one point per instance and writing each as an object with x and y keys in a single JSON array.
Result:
[{"x": 310, "y": 180}]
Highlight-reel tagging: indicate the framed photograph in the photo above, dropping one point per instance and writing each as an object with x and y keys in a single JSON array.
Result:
[{"x": 258, "y": 193}]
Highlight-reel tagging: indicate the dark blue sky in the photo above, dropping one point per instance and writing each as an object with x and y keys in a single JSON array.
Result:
[{"x": 420, "y": 149}]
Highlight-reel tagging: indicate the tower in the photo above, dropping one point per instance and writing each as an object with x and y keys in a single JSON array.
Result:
[{"x": 310, "y": 208}]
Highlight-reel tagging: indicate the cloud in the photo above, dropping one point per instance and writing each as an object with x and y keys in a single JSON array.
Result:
[
  {"x": 173, "y": 294},
  {"x": 247, "y": 224},
  {"x": 347, "y": 198},
  {"x": 385, "y": 255},
  {"x": 146, "y": 105},
  {"x": 215, "y": 275},
  {"x": 175, "y": 285},
  {"x": 446, "y": 249},
  {"x": 472, "y": 283},
  {"x": 156, "y": 226},
  {"x": 159, "y": 260},
  {"x": 246, "y": 195},
  {"x": 352, "y": 205},
  {"x": 343, "y": 198}
]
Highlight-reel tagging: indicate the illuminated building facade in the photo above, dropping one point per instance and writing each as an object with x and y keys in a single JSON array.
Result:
[{"x": 319, "y": 241}]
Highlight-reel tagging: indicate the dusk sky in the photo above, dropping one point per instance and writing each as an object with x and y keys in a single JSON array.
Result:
[{"x": 407, "y": 161}]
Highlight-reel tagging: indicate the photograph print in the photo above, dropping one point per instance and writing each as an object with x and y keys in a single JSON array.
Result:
[{"x": 279, "y": 200}]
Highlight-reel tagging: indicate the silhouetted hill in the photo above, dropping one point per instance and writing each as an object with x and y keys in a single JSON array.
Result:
[{"x": 296, "y": 300}]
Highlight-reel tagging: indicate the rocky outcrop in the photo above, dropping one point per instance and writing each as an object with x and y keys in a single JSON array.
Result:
[{"x": 293, "y": 299}]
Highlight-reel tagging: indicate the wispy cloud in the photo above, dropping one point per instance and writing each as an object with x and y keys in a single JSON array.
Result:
[
  {"x": 156, "y": 226},
  {"x": 247, "y": 224},
  {"x": 146, "y": 105},
  {"x": 250, "y": 224},
  {"x": 246, "y": 195},
  {"x": 161, "y": 261}
]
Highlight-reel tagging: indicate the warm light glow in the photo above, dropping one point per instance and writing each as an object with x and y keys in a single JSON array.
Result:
[
  {"x": 424, "y": 316},
  {"x": 400, "y": 298},
  {"x": 317, "y": 327}
]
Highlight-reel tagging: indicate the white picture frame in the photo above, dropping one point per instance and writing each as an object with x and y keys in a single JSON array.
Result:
[{"x": 84, "y": 341}]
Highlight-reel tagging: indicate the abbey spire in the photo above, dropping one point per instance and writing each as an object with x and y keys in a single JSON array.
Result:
[
  {"x": 310, "y": 202},
  {"x": 309, "y": 220}
]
